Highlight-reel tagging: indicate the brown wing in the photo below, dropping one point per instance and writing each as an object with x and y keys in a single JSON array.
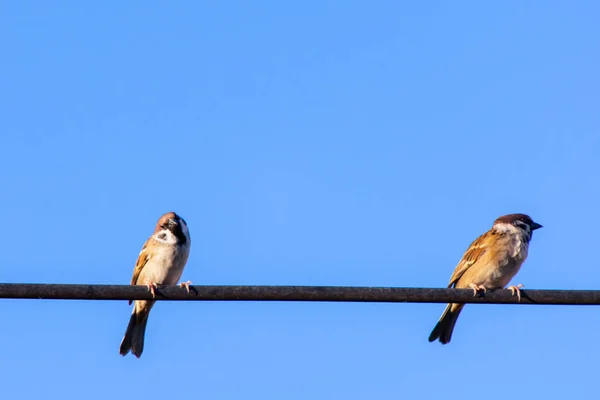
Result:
[
  {"x": 142, "y": 259},
  {"x": 475, "y": 251}
]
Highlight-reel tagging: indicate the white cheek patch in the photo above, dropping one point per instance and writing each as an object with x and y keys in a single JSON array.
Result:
[
  {"x": 165, "y": 236},
  {"x": 507, "y": 228},
  {"x": 510, "y": 229}
]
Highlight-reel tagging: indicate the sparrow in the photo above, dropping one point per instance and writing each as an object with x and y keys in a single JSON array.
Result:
[
  {"x": 490, "y": 262},
  {"x": 160, "y": 262}
]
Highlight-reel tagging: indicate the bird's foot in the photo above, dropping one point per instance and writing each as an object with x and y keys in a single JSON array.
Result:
[
  {"x": 476, "y": 288},
  {"x": 152, "y": 287},
  {"x": 515, "y": 289},
  {"x": 186, "y": 285}
]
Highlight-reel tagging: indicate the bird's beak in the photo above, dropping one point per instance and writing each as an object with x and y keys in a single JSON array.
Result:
[{"x": 535, "y": 226}]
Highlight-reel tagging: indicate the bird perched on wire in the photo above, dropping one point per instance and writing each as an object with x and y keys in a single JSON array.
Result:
[
  {"x": 160, "y": 262},
  {"x": 490, "y": 262}
]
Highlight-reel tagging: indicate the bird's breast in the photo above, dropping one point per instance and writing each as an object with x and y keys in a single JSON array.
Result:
[
  {"x": 166, "y": 265},
  {"x": 499, "y": 265}
]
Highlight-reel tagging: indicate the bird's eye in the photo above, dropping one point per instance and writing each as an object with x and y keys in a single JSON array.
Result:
[{"x": 521, "y": 224}]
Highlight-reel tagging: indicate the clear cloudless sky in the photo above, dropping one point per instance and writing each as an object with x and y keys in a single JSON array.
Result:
[{"x": 308, "y": 143}]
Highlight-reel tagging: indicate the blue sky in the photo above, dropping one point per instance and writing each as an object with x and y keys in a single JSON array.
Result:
[{"x": 310, "y": 143}]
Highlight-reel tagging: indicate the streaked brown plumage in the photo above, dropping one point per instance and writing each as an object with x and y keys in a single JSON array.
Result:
[
  {"x": 490, "y": 262},
  {"x": 160, "y": 262}
]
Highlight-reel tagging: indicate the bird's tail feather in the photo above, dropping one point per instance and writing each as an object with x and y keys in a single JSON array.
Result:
[
  {"x": 134, "y": 336},
  {"x": 443, "y": 329}
]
